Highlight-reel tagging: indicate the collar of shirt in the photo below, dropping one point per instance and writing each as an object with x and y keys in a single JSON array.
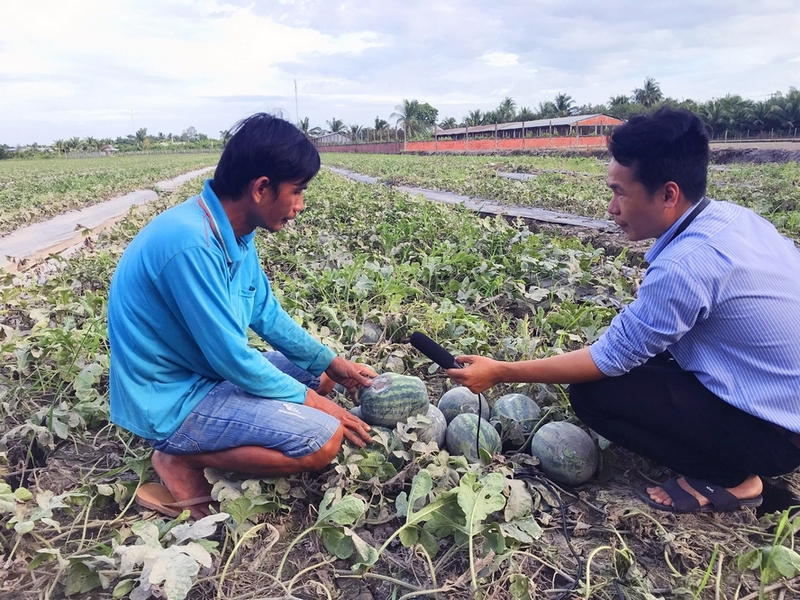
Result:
[
  {"x": 233, "y": 247},
  {"x": 665, "y": 238}
]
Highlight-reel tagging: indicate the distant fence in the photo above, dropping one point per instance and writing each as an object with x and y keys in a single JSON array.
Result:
[
  {"x": 367, "y": 148},
  {"x": 500, "y": 143},
  {"x": 142, "y": 152}
]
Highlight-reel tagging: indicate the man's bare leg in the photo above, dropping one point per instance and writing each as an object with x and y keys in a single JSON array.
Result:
[
  {"x": 184, "y": 478},
  {"x": 749, "y": 488}
]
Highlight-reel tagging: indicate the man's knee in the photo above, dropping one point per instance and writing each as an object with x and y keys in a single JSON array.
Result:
[{"x": 325, "y": 455}]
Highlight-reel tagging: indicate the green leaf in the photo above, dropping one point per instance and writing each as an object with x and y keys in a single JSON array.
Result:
[
  {"x": 336, "y": 542},
  {"x": 80, "y": 579},
  {"x": 22, "y": 494},
  {"x": 786, "y": 561},
  {"x": 749, "y": 560},
  {"x": 479, "y": 499},
  {"x": 495, "y": 540},
  {"x": 408, "y": 536},
  {"x": 524, "y": 531},
  {"x": 199, "y": 529},
  {"x": 520, "y": 588},
  {"x": 366, "y": 553},
  {"x": 344, "y": 511},
  {"x": 123, "y": 588}
]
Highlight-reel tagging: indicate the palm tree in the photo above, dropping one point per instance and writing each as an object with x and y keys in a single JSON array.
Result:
[
  {"x": 506, "y": 111},
  {"x": 448, "y": 123},
  {"x": 304, "y": 126},
  {"x": 787, "y": 109},
  {"x": 649, "y": 94},
  {"x": 380, "y": 124},
  {"x": 526, "y": 114},
  {"x": 546, "y": 110},
  {"x": 564, "y": 105},
  {"x": 224, "y": 136},
  {"x": 407, "y": 116},
  {"x": 474, "y": 118},
  {"x": 60, "y": 146},
  {"x": 335, "y": 125},
  {"x": 353, "y": 131}
]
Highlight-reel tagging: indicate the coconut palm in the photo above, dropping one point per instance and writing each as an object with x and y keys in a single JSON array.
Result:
[
  {"x": 380, "y": 124},
  {"x": 407, "y": 116},
  {"x": 525, "y": 114},
  {"x": 649, "y": 94},
  {"x": 353, "y": 131},
  {"x": 448, "y": 123},
  {"x": 335, "y": 125},
  {"x": 60, "y": 146},
  {"x": 564, "y": 105},
  {"x": 546, "y": 110},
  {"x": 506, "y": 111},
  {"x": 474, "y": 118}
]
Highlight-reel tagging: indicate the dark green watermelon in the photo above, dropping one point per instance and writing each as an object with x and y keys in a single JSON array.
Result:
[
  {"x": 460, "y": 400},
  {"x": 514, "y": 416},
  {"x": 393, "y": 398},
  {"x": 462, "y": 432},
  {"x": 566, "y": 452}
]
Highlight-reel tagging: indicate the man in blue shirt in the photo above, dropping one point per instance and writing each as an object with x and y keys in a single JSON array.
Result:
[
  {"x": 185, "y": 293},
  {"x": 702, "y": 371}
]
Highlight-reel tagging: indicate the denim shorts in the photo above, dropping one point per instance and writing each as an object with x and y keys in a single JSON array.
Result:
[{"x": 228, "y": 417}]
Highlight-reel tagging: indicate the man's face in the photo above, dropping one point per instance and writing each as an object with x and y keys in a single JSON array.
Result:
[
  {"x": 278, "y": 209},
  {"x": 639, "y": 214}
]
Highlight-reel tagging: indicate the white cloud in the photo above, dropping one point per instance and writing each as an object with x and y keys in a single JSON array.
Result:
[{"x": 500, "y": 59}]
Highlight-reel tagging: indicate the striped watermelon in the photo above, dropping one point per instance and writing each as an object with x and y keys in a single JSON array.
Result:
[
  {"x": 514, "y": 416},
  {"x": 463, "y": 431},
  {"x": 460, "y": 400},
  {"x": 566, "y": 452},
  {"x": 393, "y": 398}
]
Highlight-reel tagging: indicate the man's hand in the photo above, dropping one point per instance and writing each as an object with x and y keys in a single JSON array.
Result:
[
  {"x": 355, "y": 429},
  {"x": 480, "y": 374},
  {"x": 350, "y": 374}
]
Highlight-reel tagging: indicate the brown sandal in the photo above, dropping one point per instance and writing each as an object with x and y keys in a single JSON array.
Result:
[{"x": 157, "y": 497}]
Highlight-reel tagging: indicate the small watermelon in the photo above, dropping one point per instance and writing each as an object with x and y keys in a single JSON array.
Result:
[
  {"x": 566, "y": 452},
  {"x": 356, "y": 410},
  {"x": 514, "y": 416},
  {"x": 436, "y": 430},
  {"x": 463, "y": 431},
  {"x": 460, "y": 400},
  {"x": 393, "y": 398}
]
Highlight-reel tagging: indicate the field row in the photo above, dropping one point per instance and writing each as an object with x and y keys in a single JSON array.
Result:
[
  {"x": 36, "y": 190},
  {"x": 573, "y": 185}
]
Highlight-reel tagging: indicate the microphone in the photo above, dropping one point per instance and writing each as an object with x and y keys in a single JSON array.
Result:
[{"x": 434, "y": 351}]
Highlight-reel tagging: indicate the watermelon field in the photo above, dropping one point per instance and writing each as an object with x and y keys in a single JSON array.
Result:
[
  {"x": 36, "y": 190},
  {"x": 361, "y": 269}
]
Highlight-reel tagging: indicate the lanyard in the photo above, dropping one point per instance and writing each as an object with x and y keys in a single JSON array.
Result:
[{"x": 688, "y": 220}]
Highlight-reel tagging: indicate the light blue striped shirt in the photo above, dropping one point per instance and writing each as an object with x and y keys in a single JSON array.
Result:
[{"x": 724, "y": 299}]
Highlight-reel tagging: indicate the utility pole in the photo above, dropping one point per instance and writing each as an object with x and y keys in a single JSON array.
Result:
[{"x": 296, "y": 108}]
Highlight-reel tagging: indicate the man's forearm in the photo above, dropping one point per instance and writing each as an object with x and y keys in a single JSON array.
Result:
[{"x": 572, "y": 367}]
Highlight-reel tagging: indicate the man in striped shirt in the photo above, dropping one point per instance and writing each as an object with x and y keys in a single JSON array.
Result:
[{"x": 702, "y": 371}]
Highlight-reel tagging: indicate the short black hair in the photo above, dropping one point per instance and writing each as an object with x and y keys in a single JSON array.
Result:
[
  {"x": 263, "y": 145},
  {"x": 667, "y": 145}
]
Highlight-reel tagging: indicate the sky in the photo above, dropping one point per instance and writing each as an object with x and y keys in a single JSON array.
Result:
[{"x": 105, "y": 68}]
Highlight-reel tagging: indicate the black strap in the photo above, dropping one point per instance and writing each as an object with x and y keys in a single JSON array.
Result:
[{"x": 688, "y": 220}]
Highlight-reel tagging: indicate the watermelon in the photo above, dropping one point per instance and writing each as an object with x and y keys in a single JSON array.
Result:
[
  {"x": 393, "y": 398},
  {"x": 436, "y": 430},
  {"x": 462, "y": 432},
  {"x": 514, "y": 416},
  {"x": 566, "y": 452},
  {"x": 356, "y": 410},
  {"x": 460, "y": 400}
]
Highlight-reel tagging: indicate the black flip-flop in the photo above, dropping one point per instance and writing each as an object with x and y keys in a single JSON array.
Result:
[{"x": 720, "y": 499}]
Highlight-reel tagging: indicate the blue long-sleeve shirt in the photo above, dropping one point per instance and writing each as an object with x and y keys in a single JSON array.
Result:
[
  {"x": 724, "y": 299},
  {"x": 182, "y": 298}
]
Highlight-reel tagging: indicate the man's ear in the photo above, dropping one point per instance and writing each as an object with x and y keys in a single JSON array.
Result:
[
  {"x": 260, "y": 189},
  {"x": 672, "y": 194}
]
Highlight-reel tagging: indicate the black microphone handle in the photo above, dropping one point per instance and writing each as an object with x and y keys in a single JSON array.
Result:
[{"x": 434, "y": 351}]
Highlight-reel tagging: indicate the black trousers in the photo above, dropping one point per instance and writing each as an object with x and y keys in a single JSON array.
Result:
[{"x": 664, "y": 413}]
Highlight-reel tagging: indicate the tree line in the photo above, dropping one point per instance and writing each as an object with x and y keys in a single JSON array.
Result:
[
  {"x": 189, "y": 139},
  {"x": 732, "y": 115}
]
